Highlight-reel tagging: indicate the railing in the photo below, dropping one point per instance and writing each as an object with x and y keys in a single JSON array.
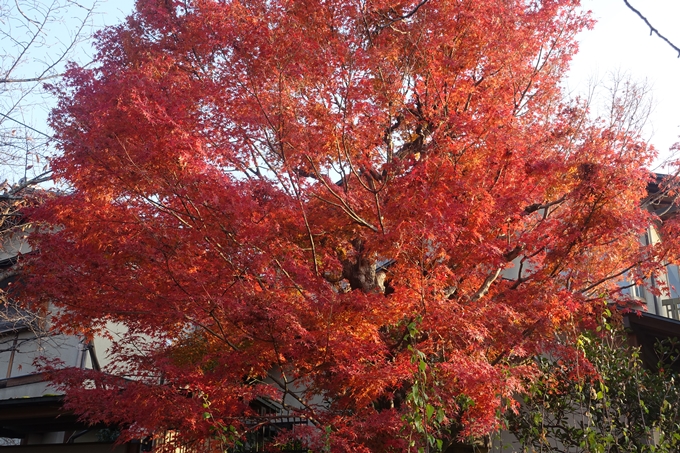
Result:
[
  {"x": 261, "y": 432},
  {"x": 672, "y": 307}
]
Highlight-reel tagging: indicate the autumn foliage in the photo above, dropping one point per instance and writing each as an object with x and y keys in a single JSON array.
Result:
[{"x": 370, "y": 212}]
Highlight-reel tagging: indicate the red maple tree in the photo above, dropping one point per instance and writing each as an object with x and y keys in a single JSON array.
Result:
[{"x": 371, "y": 213}]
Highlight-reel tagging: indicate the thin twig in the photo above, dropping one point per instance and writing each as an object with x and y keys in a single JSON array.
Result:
[
  {"x": 27, "y": 126},
  {"x": 652, "y": 29}
]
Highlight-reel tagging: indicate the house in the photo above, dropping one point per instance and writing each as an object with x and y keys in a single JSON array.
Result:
[
  {"x": 32, "y": 417},
  {"x": 659, "y": 316},
  {"x": 635, "y": 402}
]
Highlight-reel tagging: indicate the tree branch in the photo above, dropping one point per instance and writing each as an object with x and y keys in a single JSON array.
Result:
[
  {"x": 652, "y": 29},
  {"x": 481, "y": 292},
  {"x": 30, "y": 79},
  {"x": 27, "y": 126}
]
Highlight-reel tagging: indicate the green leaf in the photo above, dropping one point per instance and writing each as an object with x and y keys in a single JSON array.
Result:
[
  {"x": 429, "y": 411},
  {"x": 440, "y": 415}
]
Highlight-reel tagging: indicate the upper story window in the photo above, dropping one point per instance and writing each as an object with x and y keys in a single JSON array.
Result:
[{"x": 638, "y": 292}]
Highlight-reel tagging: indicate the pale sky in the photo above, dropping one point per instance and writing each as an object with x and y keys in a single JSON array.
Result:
[{"x": 621, "y": 41}]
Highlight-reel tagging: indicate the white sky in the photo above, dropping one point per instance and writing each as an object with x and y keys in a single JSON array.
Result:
[{"x": 620, "y": 41}]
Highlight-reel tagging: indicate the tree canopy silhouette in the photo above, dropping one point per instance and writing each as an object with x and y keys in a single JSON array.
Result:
[{"x": 367, "y": 213}]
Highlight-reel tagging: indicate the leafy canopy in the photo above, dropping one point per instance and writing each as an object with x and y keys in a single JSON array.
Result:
[{"x": 370, "y": 213}]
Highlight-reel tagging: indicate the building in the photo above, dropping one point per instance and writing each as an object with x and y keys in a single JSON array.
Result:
[
  {"x": 635, "y": 402},
  {"x": 32, "y": 418}
]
